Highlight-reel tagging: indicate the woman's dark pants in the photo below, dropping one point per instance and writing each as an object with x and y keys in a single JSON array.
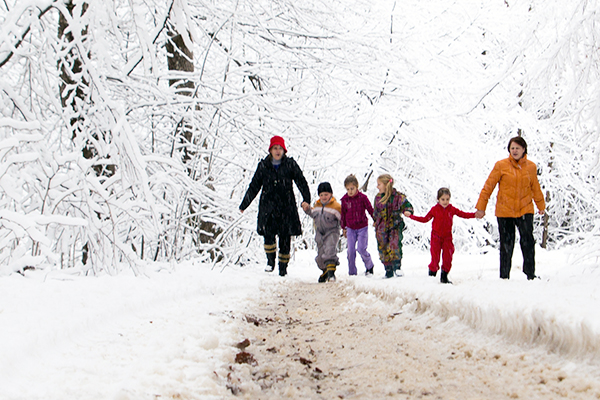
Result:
[{"x": 506, "y": 227}]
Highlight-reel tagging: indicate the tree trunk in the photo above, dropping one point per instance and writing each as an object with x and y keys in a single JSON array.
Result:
[
  {"x": 74, "y": 85},
  {"x": 545, "y": 224},
  {"x": 74, "y": 91},
  {"x": 546, "y": 217},
  {"x": 180, "y": 58}
]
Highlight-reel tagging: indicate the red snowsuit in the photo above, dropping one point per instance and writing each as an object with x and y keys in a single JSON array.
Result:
[{"x": 441, "y": 234}]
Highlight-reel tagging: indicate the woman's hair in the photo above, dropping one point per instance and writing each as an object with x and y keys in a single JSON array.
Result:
[
  {"x": 443, "y": 191},
  {"x": 388, "y": 181},
  {"x": 518, "y": 140},
  {"x": 351, "y": 180}
]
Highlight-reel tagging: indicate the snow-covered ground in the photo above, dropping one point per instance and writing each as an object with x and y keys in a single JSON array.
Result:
[
  {"x": 69, "y": 337},
  {"x": 171, "y": 334}
]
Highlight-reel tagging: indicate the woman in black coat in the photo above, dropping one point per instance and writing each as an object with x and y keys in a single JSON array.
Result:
[{"x": 277, "y": 210}]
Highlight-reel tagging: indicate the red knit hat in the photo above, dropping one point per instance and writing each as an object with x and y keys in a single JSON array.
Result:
[{"x": 277, "y": 140}]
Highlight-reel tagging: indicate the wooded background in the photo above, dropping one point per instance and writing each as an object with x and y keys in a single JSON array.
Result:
[{"x": 129, "y": 130}]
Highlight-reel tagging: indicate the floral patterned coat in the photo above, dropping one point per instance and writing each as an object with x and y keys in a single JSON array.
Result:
[{"x": 389, "y": 225}]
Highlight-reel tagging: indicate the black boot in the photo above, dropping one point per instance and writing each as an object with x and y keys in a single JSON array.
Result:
[
  {"x": 323, "y": 277},
  {"x": 282, "y": 268},
  {"x": 284, "y": 259},
  {"x": 270, "y": 262},
  {"x": 432, "y": 273},
  {"x": 331, "y": 273},
  {"x": 444, "y": 278},
  {"x": 397, "y": 269},
  {"x": 389, "y": 271}
]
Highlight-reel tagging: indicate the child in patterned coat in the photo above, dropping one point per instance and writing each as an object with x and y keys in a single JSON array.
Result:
[{"x": 388, "y": 209}]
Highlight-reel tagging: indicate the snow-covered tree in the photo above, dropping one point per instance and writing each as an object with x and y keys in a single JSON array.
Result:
[{"x": 129, "y": 130}]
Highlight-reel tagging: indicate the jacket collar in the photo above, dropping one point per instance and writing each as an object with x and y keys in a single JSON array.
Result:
[
  {"x": 331, "y": 203},
  {"x": 355, "y": 197},
  {"x": 267, "y": 160},
  {"x": 516, "y": 163}
]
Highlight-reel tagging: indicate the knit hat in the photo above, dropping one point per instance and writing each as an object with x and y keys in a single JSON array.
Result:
[
  {"x": 324, "y": 187},
  {"x": 277, "y": 140}
]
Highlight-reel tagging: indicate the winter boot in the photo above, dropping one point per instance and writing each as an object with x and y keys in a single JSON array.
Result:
[
  {"x": 397, "y": 271},
  {"x": 284, "y": 259},
  {"x": 271, "y": 251},
  {"x": 282, "y": 268},
  {"x": 330, "y": 272},
  {"x": 323, "y": 277},
  {"x": 389, "y": 271},
  {"x": 270, "y": 262},
  {"x": 432, "y": 273},
  {"x": 369, "y": 271},
  {"x": 444, "y": 278}
]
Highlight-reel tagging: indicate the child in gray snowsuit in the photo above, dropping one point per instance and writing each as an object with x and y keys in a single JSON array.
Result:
[{"x": 326, "y": 214}]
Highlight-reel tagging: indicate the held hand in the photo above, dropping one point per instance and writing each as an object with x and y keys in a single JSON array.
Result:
[
  {"x": 479, "y": 214},
  {"x": 305, "y": 206},
  {"x": 541, "y": 212},
  {"x": 407, "y": 213},
  {"x": 344, "y": 232},
  {"x": 242, "y": 211}
]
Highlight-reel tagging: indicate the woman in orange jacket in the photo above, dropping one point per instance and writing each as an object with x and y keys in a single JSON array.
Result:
[{"x": 516, "y": 177}]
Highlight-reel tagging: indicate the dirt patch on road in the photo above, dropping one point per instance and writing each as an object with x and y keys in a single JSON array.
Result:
[{"x": 325, "y": 341}]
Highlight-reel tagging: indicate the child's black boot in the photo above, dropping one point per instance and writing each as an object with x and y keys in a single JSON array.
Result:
[
  {"x": 389, "y": 271},
  {"x": 432, "y": 273},
  {"x": 323, "y": 277},
  {"x": 330, "y": 272},
  {"x": 444, "y": 278},
  {"x": 397, "y": 268}
]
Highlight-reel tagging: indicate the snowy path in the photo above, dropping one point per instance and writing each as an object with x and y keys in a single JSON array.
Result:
[{"x": 325, "y": 341}]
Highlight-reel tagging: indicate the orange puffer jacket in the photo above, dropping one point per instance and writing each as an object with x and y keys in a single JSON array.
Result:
[{"x": 518, "y": 185}]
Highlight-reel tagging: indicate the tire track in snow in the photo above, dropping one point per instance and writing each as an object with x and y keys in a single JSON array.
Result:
[{"x": 325, "y": 341}]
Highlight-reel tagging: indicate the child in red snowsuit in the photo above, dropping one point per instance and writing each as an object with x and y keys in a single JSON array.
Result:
[{"x": 441, "y": 232}]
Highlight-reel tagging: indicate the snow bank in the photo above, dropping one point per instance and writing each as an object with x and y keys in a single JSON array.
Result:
[{"x": 557, "y": 312}]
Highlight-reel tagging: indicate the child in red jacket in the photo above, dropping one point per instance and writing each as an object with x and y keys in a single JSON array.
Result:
[{"x": 441, "y": 232}]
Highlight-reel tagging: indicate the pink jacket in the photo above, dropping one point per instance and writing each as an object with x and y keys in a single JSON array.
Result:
[{"x": 353, "y": 211}]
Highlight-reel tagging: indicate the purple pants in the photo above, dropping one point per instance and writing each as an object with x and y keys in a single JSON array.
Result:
[{"x": 362, "y": 237}]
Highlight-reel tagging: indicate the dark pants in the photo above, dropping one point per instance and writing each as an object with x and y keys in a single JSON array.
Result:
[
  {"x": 285, "y": 243},
  {"x": 506, "y": 226}
]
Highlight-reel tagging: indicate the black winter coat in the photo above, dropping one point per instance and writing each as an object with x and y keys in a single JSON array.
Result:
[{"x": 277, "y": 209}]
